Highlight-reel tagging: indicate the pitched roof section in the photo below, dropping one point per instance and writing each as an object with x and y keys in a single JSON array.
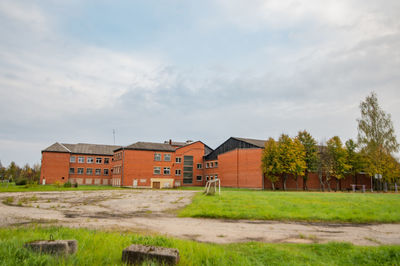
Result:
[
  {"x": 150, "y": 146},
  {"x": 57, "y": 147},
  {"x": 256, "y": 142},
  {"x": 83, "y": 148}
]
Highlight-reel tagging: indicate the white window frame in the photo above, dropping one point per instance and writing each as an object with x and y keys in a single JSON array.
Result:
[
  {"x": 73, "y": 170},
  {"x": 72, "y": 159},
  {"x": 87, "y": 171},
  {"x": 80, "y": 172},
  {"x": 201, "y": 179},
  {"x": 99, "y": 160},
  {"x": 168, "y": 170},
  {"x": 207, "y": 165},
  {"x": 168, "y": 155},
  {"x": 215, "y": 164},
  {"x": 157, "y": 169},
  {"x": 81, "y": 159},
  {"x": 212, "y": 165},
  {"x": 201, "y": 166},
  {"x": 178, "y": 172},
  {"x": 106, "y": 159},
  {"x": 89, "y": 160},
  {"x": 157, "y": 157},
  {"x": 106, "y": 172},
  {"x": 96, "y": 172},
  {"x": 178, "y": 159}
]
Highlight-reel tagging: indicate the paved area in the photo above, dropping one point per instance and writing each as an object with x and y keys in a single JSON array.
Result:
[{"x": 152, "y": 211}]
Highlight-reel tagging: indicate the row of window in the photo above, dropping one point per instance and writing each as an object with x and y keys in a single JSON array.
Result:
[
  {"x": 89, "y": 171},
  {"x": 212, "y": 165},
  {"x": 81, "y": 159},
  {"x": 167, "y": 157}
]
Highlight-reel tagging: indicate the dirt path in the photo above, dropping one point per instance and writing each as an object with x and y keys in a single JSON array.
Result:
[{"x": 153, "y": 211}]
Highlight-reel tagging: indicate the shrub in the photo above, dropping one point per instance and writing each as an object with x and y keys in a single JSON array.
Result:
[
  {"x": 68, "y": 184},
  {"x": 75, "y": 185},
  {"x": 21, "y": 182},
  {"x": 58, "y": 184}
]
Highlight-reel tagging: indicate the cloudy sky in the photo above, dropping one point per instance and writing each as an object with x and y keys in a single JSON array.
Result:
[{"x": 202, "y": 70}]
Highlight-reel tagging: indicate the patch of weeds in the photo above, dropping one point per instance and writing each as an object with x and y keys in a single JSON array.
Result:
[
  {"x": 308, "y": 237},
  {"x": 33, "y": 198},
  {"x": 8, "y": 200}
]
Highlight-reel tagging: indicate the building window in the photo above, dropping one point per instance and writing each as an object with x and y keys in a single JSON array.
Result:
[
  {"x": 216, "y": 176},
  {"x": 207, "y": 178},
  {"x": 98, "y": 160},
  {"x": 106, "y": 160},
  {"x": 211, "y": 165},
  {"x": 157, "y": 170},
  {"x": 199, "y": 178},
  {"x": 216, "y": 164},
  {"x": 72, "y": 170},
  {"x": 80, "y": 171},
  {"x": 199, "y": 166},
  {"x": 72, "y": 159},
  {"x": 89, "y": 171},
  {"x": 211, "y": 177},
  {"x": 81, "y": 159},
  {"x": 89, "y": 160},
  {"x": 207, "y": 165},
  {"x": 167, "y": 171},
  {"x": 187, "y": 169},
  {"x": 105, "y": 172},
  {"x": 157, "y": 156},
  {"x": 98, "y": 172},
  {"x": 167, "y": 157},
  {"x": 178, "y": 159},
  {"x": 178, "y": 172}
]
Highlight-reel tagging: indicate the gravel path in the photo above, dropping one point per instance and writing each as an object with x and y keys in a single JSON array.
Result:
[{"x": 154, "y": 211}]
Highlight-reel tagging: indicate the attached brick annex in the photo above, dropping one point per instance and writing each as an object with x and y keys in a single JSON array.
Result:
[{"x": 236, "y": 163}]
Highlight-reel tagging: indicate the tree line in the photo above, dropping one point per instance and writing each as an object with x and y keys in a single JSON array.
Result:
[
  {"x": 372, "y": 153},
  {"x": 20, "y": 175}
]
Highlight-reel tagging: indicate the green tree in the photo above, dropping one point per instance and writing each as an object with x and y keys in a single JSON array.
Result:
[
  {"x": 376, "y": 136},
  {"x": 270, "y": 161},
  {"x": 324, "y": 166},
  {"x": 339, "y": 158},
  {"x": 291, "y": 158},
  {"x": 13, "y": 171},
  {"x": 311, "y": 154},
  {"x": 354, "y": 159}
]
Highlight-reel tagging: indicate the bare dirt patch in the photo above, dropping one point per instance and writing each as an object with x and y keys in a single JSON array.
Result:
[{"x": 153, "y": 211}]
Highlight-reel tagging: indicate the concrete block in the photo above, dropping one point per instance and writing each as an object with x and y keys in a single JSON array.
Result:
[
  {"x": 136, "y": 254},
  {"x": 57, "y": 247}
]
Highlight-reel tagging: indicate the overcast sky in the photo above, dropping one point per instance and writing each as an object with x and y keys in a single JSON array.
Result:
[{"x": 202, "y": 70}]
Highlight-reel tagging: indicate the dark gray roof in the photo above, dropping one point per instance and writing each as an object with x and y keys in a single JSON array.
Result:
[
  {"x": 256, "y": 142},
  {"x": 150, "y": 146},
  {"x": 83, "y": 148}
]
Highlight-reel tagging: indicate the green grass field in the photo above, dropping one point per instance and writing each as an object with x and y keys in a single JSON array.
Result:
[
  {"x": 27, "y": 188},
  {"x": 105, "y": 248},
  {"x": 297, "y": 206}
]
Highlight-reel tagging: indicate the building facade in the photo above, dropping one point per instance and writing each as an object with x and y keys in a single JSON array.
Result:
[{"x": 236, "y": 163}]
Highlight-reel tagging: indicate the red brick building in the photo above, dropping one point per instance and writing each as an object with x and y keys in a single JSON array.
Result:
[
  {"x": 236, "y": 163},
  {"x": 81, "y": 163}
]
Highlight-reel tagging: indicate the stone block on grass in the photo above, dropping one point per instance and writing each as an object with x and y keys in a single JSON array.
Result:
[
  {"x": 136, "y": 254},
  {"x": 56, "y": 247}
]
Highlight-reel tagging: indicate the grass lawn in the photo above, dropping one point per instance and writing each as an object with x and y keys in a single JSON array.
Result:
[
  {"x": 14, "y": 188},
  {"x": 297, "y": 206},
  {"x": 105, "y": 248}
]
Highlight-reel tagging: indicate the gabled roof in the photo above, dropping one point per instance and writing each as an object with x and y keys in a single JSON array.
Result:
[
  {"x": 256, "y": 142},
  {"x": 57, "y": 147},
  {"x": 82, "y": 148},
  {"x": 150, "y": 146}
]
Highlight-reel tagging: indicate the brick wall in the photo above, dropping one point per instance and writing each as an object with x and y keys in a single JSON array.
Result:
[{"x": 55, "y": 167}]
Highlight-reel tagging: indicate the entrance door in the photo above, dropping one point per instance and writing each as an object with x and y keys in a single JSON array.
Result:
[
  {"x": 135, "y": 183},
  {"x": 156, "y": 185}
]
